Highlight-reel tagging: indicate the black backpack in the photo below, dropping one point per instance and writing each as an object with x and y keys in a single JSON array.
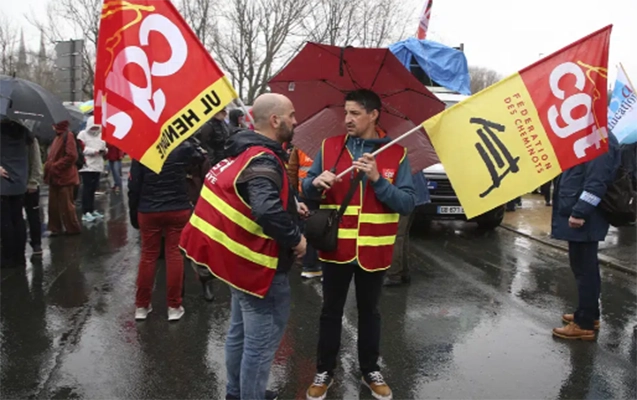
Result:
[
  {"x": 620, "y": 202},
  {"x": 81, "y": 160}
]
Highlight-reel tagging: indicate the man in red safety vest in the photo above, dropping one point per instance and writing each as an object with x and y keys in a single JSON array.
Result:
[
  {"x": 245, "y": 230},
  {"x": 366, "y": 234}
]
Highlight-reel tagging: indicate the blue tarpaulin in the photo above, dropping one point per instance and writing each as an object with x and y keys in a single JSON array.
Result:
[{"x": 444, "y": 65}]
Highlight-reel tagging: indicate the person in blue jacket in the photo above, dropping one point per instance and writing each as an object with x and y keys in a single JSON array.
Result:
[
  {"x": 362, "y": 110},
  {"x": 578, "y": 219}
]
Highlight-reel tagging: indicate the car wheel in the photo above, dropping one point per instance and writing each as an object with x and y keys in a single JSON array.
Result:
[{"x": 491, "y": 220}]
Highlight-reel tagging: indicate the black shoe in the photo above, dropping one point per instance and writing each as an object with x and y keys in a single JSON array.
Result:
[
  {"x": 37, "y": 250},
  {"x": 208, "y": 292},
  {"x": 406, "y": 279}
]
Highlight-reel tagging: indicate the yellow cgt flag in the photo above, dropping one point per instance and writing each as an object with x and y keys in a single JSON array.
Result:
[{"x": 520, "y": 133}]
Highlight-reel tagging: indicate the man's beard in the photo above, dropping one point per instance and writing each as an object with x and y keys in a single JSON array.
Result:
[{"x": 285, "y": 134}]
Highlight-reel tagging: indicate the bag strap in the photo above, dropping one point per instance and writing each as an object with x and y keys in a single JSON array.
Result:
[
  {"x": 350, "y": 193},
  {"x": 333, "y": 169}
]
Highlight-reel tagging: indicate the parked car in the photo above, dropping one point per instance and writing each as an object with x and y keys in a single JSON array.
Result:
[{"x": 444, "y": 203}]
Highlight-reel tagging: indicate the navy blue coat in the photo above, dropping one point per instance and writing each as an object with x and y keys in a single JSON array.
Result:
[{"x": 578, "y": 192}]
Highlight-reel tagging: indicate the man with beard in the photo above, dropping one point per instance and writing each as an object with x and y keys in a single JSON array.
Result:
[{"x": 245, "y": 230}]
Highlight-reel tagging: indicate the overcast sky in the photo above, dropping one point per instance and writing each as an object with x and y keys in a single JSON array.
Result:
[{"x": 505, "y": 35}]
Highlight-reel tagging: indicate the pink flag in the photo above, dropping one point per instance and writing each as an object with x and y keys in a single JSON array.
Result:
[{"x": 423, "y": 24}]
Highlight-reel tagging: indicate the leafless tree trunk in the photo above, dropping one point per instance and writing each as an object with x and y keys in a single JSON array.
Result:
[
  {"x": 482, "y": 78},
  {"x": 252, "y": 38}
]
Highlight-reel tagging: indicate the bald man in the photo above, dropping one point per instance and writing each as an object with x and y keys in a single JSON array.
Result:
[{"x": 250, "y": 238}]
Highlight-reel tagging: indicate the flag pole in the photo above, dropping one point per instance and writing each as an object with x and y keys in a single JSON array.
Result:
[
  {"x": 627, "y": 77},
  {"x": 377, "y": 152}
]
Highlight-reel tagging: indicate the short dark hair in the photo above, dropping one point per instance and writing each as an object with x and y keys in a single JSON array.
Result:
[{"x": 367, "y": 99}]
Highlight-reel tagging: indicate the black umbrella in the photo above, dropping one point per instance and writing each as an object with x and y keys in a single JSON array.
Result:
[
  {"x": 22, "y": 99},
  {"x": 46, "y": 134}
]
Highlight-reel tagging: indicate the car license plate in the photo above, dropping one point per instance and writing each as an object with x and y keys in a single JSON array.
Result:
[{"x": 450, "y": 210}]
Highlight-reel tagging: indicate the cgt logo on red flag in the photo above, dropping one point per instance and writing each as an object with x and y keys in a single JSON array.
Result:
[{"x": 155, "y": 83}]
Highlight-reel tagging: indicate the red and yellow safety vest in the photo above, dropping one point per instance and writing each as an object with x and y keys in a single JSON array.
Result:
[
  {"x": 223, "y": 235},
  {"x": 367, "y": 231},
  {"x": 305, "y": 163}
]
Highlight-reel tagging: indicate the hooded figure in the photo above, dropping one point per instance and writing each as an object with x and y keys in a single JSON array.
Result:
[
  {"x": 94, "y": 150},
  {"x": 237, "y": 121}
]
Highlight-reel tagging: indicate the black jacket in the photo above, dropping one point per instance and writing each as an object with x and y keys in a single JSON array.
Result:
[
  {"x": 167, "y": 191},
  {"x": 264, "y": 195},
  {"x": 213, "y": 135}
]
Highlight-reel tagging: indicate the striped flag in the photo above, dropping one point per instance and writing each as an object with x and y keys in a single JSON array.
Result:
[{"x": 423, "y": 24}]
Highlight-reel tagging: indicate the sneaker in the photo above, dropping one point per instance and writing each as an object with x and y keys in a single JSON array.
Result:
[
  {"x": 375, "y": 382},
  {"x": 311, "y": 274},
  {"x": 142, "y": 312},
  {"x": 37, "y": 249},
  {"x": 573, "y": 331},
  {"x": 568, "y": 318},
  {"x": 318, "y": 389},
  {"x": 175, "y": 314},
  {"x": 98, "y": 215},
  {"x": 88, "y": 217}
]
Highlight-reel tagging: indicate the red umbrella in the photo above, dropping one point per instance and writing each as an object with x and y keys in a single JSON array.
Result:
[{"x": 318, "y": 78}]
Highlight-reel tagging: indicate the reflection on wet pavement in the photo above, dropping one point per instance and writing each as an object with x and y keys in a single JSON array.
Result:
[{"x": 474, "y": 323}]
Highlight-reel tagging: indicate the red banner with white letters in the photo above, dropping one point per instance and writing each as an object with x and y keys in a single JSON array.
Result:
[{"x": 155, "y": 83}]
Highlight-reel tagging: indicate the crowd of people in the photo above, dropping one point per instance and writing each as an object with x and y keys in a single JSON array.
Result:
[{"x": 234, "y": 199}]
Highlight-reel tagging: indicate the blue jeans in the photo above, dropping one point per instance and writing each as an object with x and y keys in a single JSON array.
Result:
[
  {"x": 256, "y": 329},
  {"x": 116, "y": 167}
]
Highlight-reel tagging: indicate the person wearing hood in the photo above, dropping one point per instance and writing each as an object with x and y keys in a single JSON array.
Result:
[
  {"x": 60, "y": 173},
  {"x": 213, "y": 135},
  {"x": 245, "y": 230},
  {"x": 94, "y": 150},
  {"x": 237, "y": 121},
  {"x": 366, "y": 236},
  {"x": 14, "y": 166}
]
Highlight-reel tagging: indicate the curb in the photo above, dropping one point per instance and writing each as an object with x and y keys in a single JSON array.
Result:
[{"x": 603, "y": 259}]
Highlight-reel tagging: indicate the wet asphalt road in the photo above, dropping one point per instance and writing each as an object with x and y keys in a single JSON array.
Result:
[{"x": 474, "y": 323}]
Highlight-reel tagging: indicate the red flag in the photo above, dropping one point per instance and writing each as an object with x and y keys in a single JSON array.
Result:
[
  {"x": 528, "y": 128},
  {"x": 425, "y": 16},
  {"x": 155, "y": 83}
]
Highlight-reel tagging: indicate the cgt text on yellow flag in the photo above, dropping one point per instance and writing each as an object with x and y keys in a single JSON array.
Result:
[{"x": 493, "y": 146}]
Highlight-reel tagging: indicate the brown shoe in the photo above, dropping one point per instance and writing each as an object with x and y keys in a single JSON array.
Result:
[
  {"x": 318, "y": 389},
  {"x": 568, "y": 318},
  {"x": 572, "y": 331},
  {"x": 375, "y": 382}
]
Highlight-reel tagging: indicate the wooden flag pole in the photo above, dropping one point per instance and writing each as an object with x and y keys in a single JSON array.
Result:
[
  {"x": 627, "y": 77},
  {"x": 377, "y": 152}
]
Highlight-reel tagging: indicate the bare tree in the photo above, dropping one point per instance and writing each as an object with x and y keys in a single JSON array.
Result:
[
  {"x": 9, "y": 40},
  {"x": 482, "y": 78},
  {"x": 202, "y": 17},
  {"x": 253, "y": 36},
  {"x": 364, "y": 23},
  {"x": 83, "y": 18}
]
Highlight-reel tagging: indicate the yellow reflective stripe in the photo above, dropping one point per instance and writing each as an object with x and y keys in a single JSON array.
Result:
[
  {"x": 347, "y": 233},
  {"x": 376, "y": 241},
  {"x": 235, "y": 247},
  {"x": 350, "y": 210},
  {"x": 378, "y": 218},
  {"x": 232, "y": 214}
]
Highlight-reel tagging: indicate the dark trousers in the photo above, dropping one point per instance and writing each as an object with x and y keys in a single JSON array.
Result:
[
  {"x": 336, "y": 281},
  {"x": 399, "y": 269},
  {"x": 90, "y": 183},
  {"x": 13, "y": 239},
  {"x": 310, "y": 260},
  {"x": 585, "y": 267},
  {"x": 546, "y": 191},
  {"x": 32, "y": 208}
]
